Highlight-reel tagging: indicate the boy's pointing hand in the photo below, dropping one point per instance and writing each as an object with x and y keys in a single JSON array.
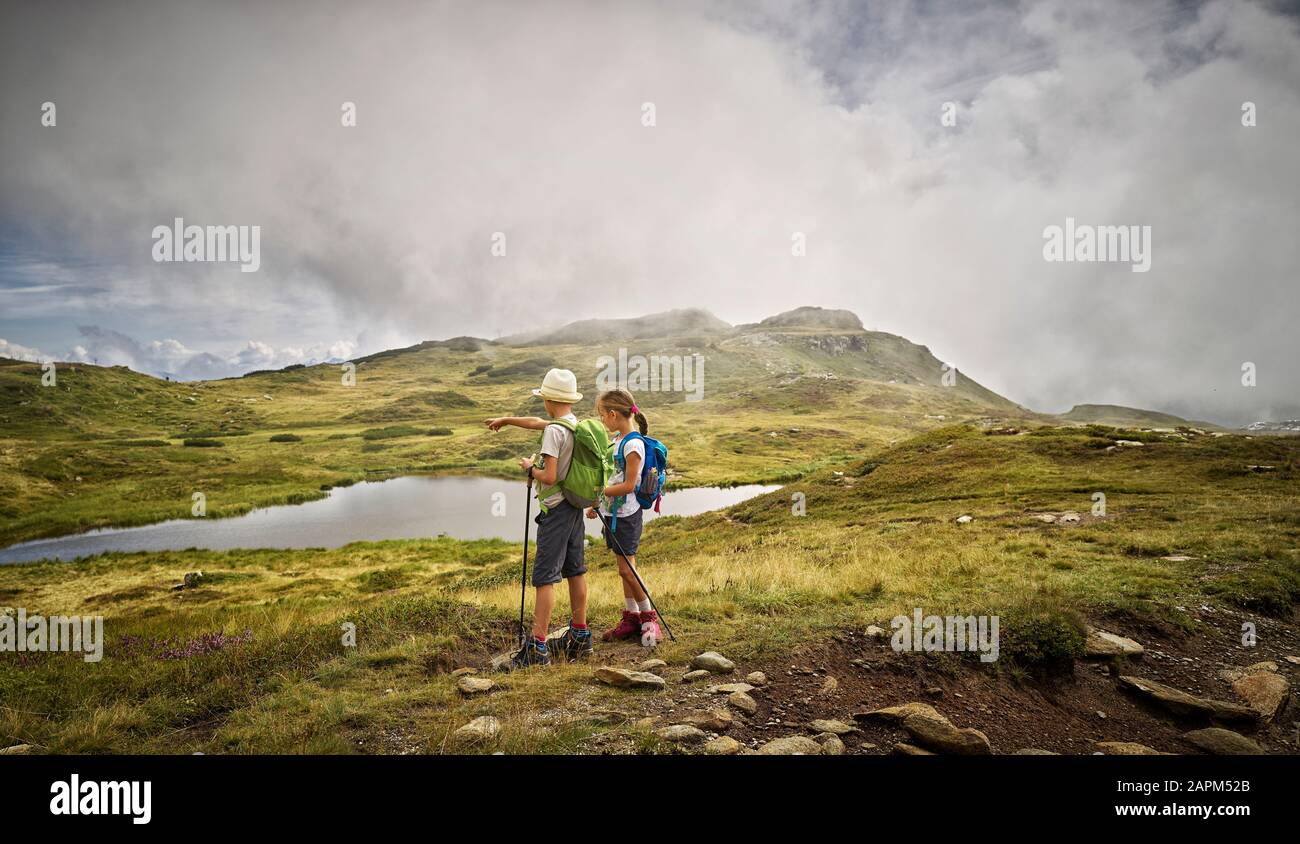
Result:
[{"x": 495, "y": 424}]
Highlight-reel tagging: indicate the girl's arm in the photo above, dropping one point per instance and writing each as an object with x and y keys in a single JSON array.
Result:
[
  {"x": 532, "y": 423},
  {"x": 632, "y": 474}
]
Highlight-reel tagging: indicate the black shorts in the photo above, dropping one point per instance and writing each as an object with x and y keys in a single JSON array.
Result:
[
  {"x": 560, "y": 536},
  {"x": 627, "y": 534}
]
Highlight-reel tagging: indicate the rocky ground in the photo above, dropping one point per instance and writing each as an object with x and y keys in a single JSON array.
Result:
[{"x": 1140, "y": 691}]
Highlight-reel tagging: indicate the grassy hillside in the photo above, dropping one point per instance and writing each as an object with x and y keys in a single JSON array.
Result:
[
  {"x": 252, "y": 660},
  {"x": 1130, "y": 417},
  {"x": 107, "y": 446}
]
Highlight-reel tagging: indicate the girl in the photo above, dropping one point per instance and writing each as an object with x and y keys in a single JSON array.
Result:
[{"x": 617, "y": 410}]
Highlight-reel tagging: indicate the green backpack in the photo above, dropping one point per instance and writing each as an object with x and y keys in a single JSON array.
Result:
[{"x": 590, "y": 468}]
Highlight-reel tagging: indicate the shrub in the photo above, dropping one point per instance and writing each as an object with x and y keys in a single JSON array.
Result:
[
  {"x": 202, "y": 442},
  {"x": 286, "y": 438},
  {"x": 440, "y": 432},
  {"x": 390, "y": 432}
]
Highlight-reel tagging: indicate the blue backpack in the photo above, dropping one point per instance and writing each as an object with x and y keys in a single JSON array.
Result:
[{"x": 649, "y": 490}]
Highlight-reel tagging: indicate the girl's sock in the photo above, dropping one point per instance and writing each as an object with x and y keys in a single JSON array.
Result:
[
  {"x": 632, "y": 605},
  {"x": 644, "y": 606},
  {"x": 576, "y": 626}
]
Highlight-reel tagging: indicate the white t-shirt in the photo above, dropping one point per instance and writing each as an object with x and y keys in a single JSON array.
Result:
[{"x": 630, "y": 505}]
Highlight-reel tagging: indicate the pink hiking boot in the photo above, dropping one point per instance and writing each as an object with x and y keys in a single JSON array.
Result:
[
  {"x": 628, "y": 628},
  {"x": 649, "y": 629}
]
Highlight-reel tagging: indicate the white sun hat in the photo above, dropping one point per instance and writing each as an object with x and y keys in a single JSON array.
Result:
[{"x": 559, "y": 385}]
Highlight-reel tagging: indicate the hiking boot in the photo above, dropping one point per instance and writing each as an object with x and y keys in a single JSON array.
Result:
[
  {"x": 532, "y": 653},
  {"x": 649, "y": 629},
  {"x": 628, "y": 628},
  {"x": 574, "y": 644}
]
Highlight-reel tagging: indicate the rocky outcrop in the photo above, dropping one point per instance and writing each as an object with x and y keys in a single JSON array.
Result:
[{"x": 1182, "y": 703}]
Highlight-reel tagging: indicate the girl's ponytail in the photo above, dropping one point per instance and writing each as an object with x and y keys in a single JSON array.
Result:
[{"x": 621, "y": 402}]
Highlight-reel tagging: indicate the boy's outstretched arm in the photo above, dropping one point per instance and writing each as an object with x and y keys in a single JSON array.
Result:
[{"x": 532, "y": 423}]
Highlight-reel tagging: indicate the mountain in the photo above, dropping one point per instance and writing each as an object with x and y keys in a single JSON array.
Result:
[
  {"x": 1288, "y": 426},
  {"x": 810, "y": 317},
  {"x": 688, "y": 321},
  {"x": 1118, "y": 416}
]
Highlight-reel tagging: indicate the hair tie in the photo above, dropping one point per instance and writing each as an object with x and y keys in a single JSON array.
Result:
[{"x": 636, "y": 409}]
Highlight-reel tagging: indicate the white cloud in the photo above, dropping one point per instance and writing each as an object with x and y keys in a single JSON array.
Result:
[
  {"x": 171, "y": 358},
  {"x": 820, "y": 117},
  {"x": 19, "y": 352}
]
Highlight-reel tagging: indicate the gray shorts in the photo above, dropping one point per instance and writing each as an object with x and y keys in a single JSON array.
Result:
[
  {"x": 627, "y": 534},
  {"x": 560, "y": 536}
]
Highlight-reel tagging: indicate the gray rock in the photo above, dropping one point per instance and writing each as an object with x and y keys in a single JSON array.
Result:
[
  {"x": 653, "y": 666},
  {"x": 756, "y": 678},
  {"x": 1127, "y": 748},
  {"x": 832, "y": 745},
  {"x": 904, "y": 749},
  {"x": 730, "y": 688},
  {"x": 876, "y": 632},
  {"x": 692, "y": 676},
  {"x": 1264, "y": 692},
  {"x": 16, "y": 750},
  {"x": 791, "y": 746},
  {"x": 1034, "y": 751},
  {"x": 713, "y": 661},
  {"x": 830, "y": 686},
  {"x": 743, "y": 702},
  {"x": 682, "y": 734},
  {"x": 964, "y": 520},
  {"x": 625, "y": 679},
  {"x": 484, "y": 728},
  {"x": 943, "y": 737},
  {"x": 826, "y": 725},
  {"x": 1223, "y": 742},
  {"x": 470, "y": 686},
  {"x": 714, "y": 720},
  {"x": 1182, "y": 703},
  {"x": 896, "y": 714},
  {"x": 723, "y": 746},
  {"x": 463, "y": 672},
  {"x": 1101, "y": 644}
]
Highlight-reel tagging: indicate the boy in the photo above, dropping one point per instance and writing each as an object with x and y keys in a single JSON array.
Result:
[{"x": 560, "y": 534}]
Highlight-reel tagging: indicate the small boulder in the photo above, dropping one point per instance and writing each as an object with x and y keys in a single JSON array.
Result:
[
  {"x": 730, "y": 688},
  {"x": 682, "y": 734},
  {"x": 1101, "y": 645},
  {"x": 756, "y": 678},
  {"x": 723, "y": 746},
  {"x": 791, "y": 746},
  {"x": 692, "y": 676},
  {"x": 16, "y": 750},
  {"x": 830, "y": 686},
  {"x": 832, "y": 745},
  {"x": 484, "y": 728},
  {"x": 1034, "y": 751},
  {"x": 470, "y": 686},
  {"x": 964, "y": 520},
  {"x": 713, "y": 661},
  {"x": 464, "y": 672},
  {"x": 625, "y": 679},
  {"x": 904, "y": 749},
  {"x": 743, "y": 702},
  {"x": 826, "y": 725},
  {"x": 653, "y": 666},
  {"x": 714, "y": 720},
  {"x": 900, "y": 712},
  {"x": 1223, "y": 742},
  {"x": 1182, "y": 703},
  {"x": 1264, "y": 692},
  {"x": 943, "y": 737},
  {"x": 1127, "y": 748}
]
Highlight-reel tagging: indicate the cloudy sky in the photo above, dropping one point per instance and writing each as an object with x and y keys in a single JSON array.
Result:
[{"x": 769, "y": 118}]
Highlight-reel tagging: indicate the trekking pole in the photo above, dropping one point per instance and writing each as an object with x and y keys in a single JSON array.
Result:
[
  {"x": 639, "y": 582},
  {"x": 523, "y": 576}
]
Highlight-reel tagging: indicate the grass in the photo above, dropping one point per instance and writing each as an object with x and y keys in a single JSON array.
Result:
[{"x": 752, "y": 581}]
